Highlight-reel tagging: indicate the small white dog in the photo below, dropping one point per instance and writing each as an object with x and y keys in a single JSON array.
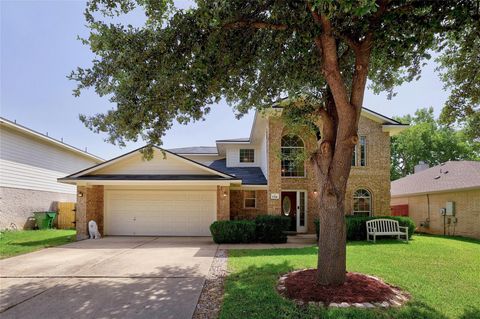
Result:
[{"x": 93, "y": 230}]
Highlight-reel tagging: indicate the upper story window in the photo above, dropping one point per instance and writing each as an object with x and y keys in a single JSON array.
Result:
[
  {"x": 359, "y": 157},
  {"x": 249, "y": 199},
  {"x": 247, "y": 155},
  {"x": 362, "y": 202},
  {"x": 363, "y": 151},
  {"x": 292, "y": 150}
]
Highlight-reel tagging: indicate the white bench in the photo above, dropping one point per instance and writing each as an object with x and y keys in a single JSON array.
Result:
[{"x": 385, "y": 227}]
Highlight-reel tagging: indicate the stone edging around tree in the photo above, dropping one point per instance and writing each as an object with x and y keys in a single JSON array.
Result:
[{"x": 398, "y": 300}]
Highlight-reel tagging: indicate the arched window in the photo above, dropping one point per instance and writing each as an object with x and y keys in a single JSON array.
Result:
[
  {"x": 362, "y": 202},
  {"x": 292, "y": 153}
]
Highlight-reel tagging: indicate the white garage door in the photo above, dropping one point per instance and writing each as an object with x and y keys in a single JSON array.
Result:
[{"x": 159, "y": 213}]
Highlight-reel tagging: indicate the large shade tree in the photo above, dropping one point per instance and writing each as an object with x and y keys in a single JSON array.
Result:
[{"x": 253, "y": 52}]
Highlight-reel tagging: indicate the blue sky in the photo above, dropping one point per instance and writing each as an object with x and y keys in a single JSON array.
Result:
[{"x": 39, "y": 48}]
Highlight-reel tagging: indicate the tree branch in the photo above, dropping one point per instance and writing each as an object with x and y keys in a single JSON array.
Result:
[
  {"x": 362, "y": 58},
  {"x": 247, "y": 24},
  {"x": 352, "y": 44}
]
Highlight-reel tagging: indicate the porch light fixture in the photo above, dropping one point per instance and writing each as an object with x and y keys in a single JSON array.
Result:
[
  {"x": 80, "y": 194},
  {"x": 225, "y": 194},
  {"x": 315, "y": 192}
]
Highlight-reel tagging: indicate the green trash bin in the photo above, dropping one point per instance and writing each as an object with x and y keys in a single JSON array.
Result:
[
  {"x": 44, "y": 220},
  {"x": 51, "y": 218}
]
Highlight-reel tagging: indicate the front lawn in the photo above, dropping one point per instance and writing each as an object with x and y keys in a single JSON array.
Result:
[
  {"x": 14, "y": 243},
  {"x": 442, "y": 274}
]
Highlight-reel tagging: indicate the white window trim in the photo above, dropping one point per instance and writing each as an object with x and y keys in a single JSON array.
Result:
[
  {"x": 370, "y": 198},
  {"x": 366, "y": 151},
  {"x": 355, "y": 155},
  {"x": 281, "y": 160},
  {"x": 245, "y": 199},
  {"x": 240, "y": 155}
]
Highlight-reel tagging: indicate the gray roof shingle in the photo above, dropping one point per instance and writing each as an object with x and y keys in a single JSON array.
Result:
[
  {"x": 452, "y": 175},
  {"x": 195, "y": 150},
  {"x": 248, "y": 175}
]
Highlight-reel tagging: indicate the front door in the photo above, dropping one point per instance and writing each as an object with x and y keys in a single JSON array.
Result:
[
  {"x": 289, "y": 208},
  {"x": 294, "y": 205}
]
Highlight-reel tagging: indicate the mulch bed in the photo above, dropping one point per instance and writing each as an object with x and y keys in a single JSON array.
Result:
[{"x": 358, "y": 289}]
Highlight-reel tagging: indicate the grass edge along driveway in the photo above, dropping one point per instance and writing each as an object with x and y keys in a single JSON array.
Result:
[
  {"x": 19, "y": 242},
  {"x": 442, "y": 274}
]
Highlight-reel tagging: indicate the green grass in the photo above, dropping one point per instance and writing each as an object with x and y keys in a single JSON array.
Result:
[
  {"x": 14, "y": 243},
  {"x": 442, "y": 275}
]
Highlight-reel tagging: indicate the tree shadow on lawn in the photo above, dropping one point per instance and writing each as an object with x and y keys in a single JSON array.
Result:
[
  {"x": 471, "y": 313},
  {"x": 251, "y": 293},
  {"x": 44, "y": 242}
]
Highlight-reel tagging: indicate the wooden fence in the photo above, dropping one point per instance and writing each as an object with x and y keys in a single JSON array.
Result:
[{"x": 66, "y": 215}]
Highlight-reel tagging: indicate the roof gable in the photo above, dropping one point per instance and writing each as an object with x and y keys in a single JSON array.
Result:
[{"x": 162, "y": 163}]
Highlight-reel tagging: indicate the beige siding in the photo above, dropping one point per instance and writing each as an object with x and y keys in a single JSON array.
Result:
[
  {"x": 233, "y": 155},
  {"x": 28, "y": 162},
  {"x": 263, "y": 154},
  {"x": 160, "y": 164},
  {"x": 424, "y": 207}
]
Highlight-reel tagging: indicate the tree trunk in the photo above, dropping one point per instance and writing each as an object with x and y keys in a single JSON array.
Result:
[
  {"x": 338, "y": 122},
  {"x": 332, "y": 239}
]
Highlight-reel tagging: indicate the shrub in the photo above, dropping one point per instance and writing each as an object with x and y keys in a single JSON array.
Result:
[
  {"x": 233, "y": 231},
  {"x": 272, "y": 228},
  {"x": 357, "y": 228}
]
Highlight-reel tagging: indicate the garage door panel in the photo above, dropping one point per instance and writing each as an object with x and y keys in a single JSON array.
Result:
[{"x": 159, "y": 213}]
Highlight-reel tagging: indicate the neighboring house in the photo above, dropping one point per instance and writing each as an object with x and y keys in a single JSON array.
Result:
[
  {"x": 182, "y": 191},
  {"x": 444, "y": 199},
  {"x": 30, "y": 164}
]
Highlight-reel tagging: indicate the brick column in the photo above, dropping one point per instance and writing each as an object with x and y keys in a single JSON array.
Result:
[
  {"x": 89, "y": 207},
  {"x": 223, "y": 203},
  {"x": 274, "y": 167},
  {"x": 81, "y": 213}
]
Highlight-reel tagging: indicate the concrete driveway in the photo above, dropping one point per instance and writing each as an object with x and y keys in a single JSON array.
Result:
[{"x": 115, "y": 277}]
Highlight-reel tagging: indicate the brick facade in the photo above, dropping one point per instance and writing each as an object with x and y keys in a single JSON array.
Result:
[
  {"x": 375, "y": 176},
  {"x": 237, "y": 209},
  {"x": 223, "y": 203},
  {"x": 89, "y": 207},
  {"x": 423, "y": 208}
]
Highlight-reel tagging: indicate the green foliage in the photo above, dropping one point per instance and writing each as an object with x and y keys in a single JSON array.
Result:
[
  {"x": 429, "y": 141},
  {"x": 357, "y": 229},
  {"x": 460, "y": 71},
  {"x": 272, "y": 228},
  {"x": 440, "y": 273},
  {"x": 251, "y": 53},
  {"x": 233, "y": 231}
]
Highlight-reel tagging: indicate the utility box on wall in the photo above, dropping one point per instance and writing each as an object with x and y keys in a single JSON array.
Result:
[{"x": 450, "y": 209}]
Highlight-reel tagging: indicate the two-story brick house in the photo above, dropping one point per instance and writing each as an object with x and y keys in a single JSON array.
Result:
[{"x": 182, "y": 191}]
